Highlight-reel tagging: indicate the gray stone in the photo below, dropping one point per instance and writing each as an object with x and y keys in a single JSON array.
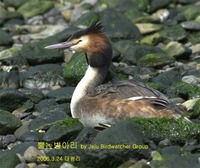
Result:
[
  {"x": 9, "y": 79},
  {"x": 164, "y": 143},
  {"x": 157, "y": 4},
  {"x": 21, "y": 147},
  {"x": 42, "y": 76},
  {"x": 11, "y": 99},
  {"x": 8, "y": 53},
  {"x": 121, "y": 27},
  {"x": 146, "y": 28},
  {"x": 9, "y": 123},
  {"x": 62, "y": 94},
  {"x": 7, "y": 139},
  {"x": 35, "y": 53},
  {"x": 191, "y": 25},
  {"x": 66, "y": 129},
  {"x": 22, "y": 165},
  {"x": 35, "y": 95},
  {"x": 47, "y": 118},
  {"x": 190, "y": 79},
  {"x": 45, "y": 105},
  {"x": 31, "y": 154},
  {"x": 168, "y": 78}
]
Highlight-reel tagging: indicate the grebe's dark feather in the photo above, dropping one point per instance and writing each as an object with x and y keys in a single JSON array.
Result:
[{"x": 95, "y": 28}]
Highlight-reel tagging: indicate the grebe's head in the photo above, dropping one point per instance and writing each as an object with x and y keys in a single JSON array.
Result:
[{"x": 92, "y": 41}]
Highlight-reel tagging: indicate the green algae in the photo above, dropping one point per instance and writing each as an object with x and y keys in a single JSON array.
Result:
[
  {"x": 177, "y": 130},
  {"x": 183, "y": 90}
]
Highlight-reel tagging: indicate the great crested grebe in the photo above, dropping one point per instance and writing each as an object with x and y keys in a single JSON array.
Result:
[{"x": 102, "y": 105}]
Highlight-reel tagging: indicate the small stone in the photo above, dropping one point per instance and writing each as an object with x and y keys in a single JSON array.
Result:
[
  {"x": 32, "y": 165},
  {"x": 22, "y": 165},
  {"x": 191, "y": 79},
  {"x": 31, "y": 154},
  {"x": 5, "y": 38},
  {"x": 164, "y": 143},
  {"x": 67, "y": 165},
  {"x": 146, "y": 28},
  {"x": 191, "y": 25}
]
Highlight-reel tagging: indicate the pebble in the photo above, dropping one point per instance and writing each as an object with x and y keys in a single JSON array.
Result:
[{"x": 31, "y": 154}]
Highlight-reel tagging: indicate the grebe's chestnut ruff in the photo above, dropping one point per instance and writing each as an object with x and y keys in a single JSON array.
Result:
[{"x": 99, "y": 105}]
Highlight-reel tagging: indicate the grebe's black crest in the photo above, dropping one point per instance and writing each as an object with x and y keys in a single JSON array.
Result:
[{"x": 94, "y": 28}]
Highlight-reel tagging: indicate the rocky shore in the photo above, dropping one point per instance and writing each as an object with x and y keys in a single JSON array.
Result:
[{"x": 157, "y": 42}]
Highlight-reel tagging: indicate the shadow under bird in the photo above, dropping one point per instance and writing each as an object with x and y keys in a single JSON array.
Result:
[{"x": 99, "y": 105}]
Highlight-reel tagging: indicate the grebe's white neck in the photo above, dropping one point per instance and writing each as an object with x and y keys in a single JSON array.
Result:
[{"x": 92, "y": 78}]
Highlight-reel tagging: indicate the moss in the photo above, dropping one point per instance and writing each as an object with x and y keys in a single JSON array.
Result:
[
  {"x": 69, "y": 122},
  {"x": 154, "y": 60},
  {"x": 75, "y": 69},
  {"x": 183, "y": 90},
  {"x": 177, "y": 130},
  {"x": 156, "y": 86}
]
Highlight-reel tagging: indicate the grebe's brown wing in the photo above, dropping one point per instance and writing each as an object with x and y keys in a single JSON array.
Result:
[{"x": 127, "y": 89}]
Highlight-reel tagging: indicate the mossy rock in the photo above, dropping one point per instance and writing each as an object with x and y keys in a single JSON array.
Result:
[
  {"x": 194, "y": 37},
  {"x": 183, "y": 90},
  {"x": 151, "y": 39},
  {"x": 155, "y": 60},
  {"x": 190, "y": 11},
  {"x": 75, "y": 69},
  {"x": 195, "y": 111},
  {"x": 173, "y": 32},
  {"x": 35, "y": 7},
  {"x": 156, "y": 86},
  {"x": 177, "y": 130}
]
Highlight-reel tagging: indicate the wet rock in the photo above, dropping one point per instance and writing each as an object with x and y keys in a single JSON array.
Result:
[
  {"x": 147, "y": 56},
  {"x": 195, "y": 48},
  {"x": 9, "y": 123},
  {"x": 7, "y": 139},
  {"x": 5, "y": 15},
  {"x": 191, "y": 25},
  {"x": 34, "y": 7},
  {"x": 14, "y": 4},
  {"x": 13, "y": 159},
  {"x": 48, "y": 117},
  {"x": 62, "y": 94},
  {"x": 42, "y": 76},
  {"x": 174, "y": 32},
  {"x": 5, "y": 39},
  {"x": 36, "y": 54},
  {"x": 26, "y": 107},
  {"x": 183, "y": 90},
  {"x": 177, "y": 50},
  {"x": 120, "y": 28},
  {"x": 86, "y": 135},
  {"x": 45, "y": 105},
  {"x": 146, "y": 28},
  {"x": 151, "y": 39},
  {"x": 168, "y": 78},
  {"x": 65, "y": 130},
  {"x": 34, "y": 95},
  {"x": 103, "y": 147},
  {"x": 156, "y": 4},
  {"x": 9, "y": 79},
  {"x": 137, "y": 72},
  {"x": 11, "y": 99},
  {"x": 31, "y": 154}
]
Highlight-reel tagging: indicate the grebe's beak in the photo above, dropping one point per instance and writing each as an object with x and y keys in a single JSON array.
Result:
[{"x": 64, "y": 45}]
